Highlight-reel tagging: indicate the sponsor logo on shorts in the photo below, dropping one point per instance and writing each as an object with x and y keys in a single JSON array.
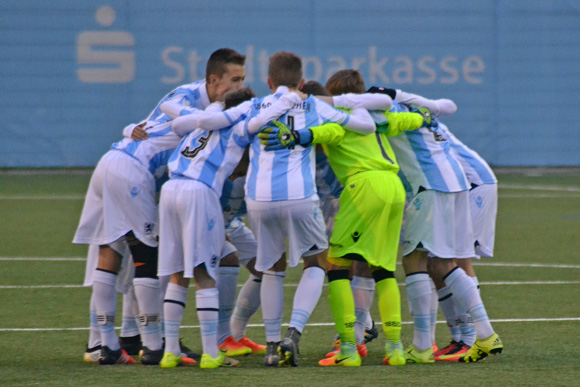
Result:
[
  {"x": 417, "y": 203},
  {"x": 148, "y": 228},
  {"x": 479, "y": 201},
  {"x": 214, "y": 261},
  {"x": 210, "y": 224},
  {"x": 134, "y": 192},
  {"x": 355, "y": 236}
]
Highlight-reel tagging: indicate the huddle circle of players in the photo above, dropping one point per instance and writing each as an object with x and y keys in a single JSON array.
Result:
[{"x": 324, "y": 174}]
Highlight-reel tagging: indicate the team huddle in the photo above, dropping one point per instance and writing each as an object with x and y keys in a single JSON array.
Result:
[{"x": 326, "y": 175}]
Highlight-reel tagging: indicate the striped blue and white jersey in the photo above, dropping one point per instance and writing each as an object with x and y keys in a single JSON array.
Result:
[
  {"x": 189, "y": 95},
  {"x": 209, "y": 156},
  {"x": 425, "y": 158},
  {"x": 288, "y": 174},
  {"x": 327, "y": 183},
  {"x": 154, "y": 152},
  {"x": 476, "y": 168},
  {"x": 232, "y": 201}
]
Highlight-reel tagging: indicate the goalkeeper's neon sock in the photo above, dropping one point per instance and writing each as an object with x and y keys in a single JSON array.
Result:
[
  {"x": 482, "y": 349},
  {"x": 342, "y": 305},
  {"x": 390, "y": 308},
  {"x": 347, "y": 357}
]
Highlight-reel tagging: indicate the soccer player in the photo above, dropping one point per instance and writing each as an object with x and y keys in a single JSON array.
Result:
[
  {"x": 438, "y": 230},
  {"x": 483, "y": 209},
  {"x": 282, "y": 203},
  {"x": 120, "y": 209},
  {"x": 369, "y": 220},
  {"x": 193, "y": 233}
]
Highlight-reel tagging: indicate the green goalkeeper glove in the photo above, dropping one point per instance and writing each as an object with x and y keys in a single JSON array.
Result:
[
  {"x": 279, "y": 136},
  {"x": 429, "y": 121}
]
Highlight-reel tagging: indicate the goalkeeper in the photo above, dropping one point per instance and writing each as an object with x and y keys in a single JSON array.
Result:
[{"x": 368, "y": 223}]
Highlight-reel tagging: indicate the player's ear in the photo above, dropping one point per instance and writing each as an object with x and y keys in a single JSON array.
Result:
[
  {"x": 270, "y": 84},
  {"x": 213, "y": 78},
  {"x": 301, "y": 84}
]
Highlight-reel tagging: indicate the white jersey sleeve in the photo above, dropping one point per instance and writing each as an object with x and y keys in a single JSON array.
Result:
[
  {"x": 443, "y": 107},
  {"x": 369, "y": 101}
]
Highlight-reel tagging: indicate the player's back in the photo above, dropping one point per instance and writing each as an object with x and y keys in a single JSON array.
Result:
[
  {"x": 208, "y": 156},
  {"x": 288, "y": 174}
]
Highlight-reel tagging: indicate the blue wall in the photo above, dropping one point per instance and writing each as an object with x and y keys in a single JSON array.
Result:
[{"x": 74, "y": 73}]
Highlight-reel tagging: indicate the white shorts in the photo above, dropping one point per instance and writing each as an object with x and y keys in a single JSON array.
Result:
[
  {"x": 245, "y": 241},
  {"x": 440, "y": 223},
  {"x": 329, "y": 205},
  {"x": 483, "y": 206},
  {"x": 300, "y": 221},
  {"x": 120, "y": 198},
  {"x": 125, "y": 275},
  {"x": 192, "y": 230}
]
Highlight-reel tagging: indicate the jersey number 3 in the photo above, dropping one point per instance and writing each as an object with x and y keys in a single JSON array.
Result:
[{"x": 201, "y": 143}]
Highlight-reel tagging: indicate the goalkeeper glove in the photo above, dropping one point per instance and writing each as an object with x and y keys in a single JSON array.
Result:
[
  {"x": 279, "y": 136},
  {"x": 429, "y": 121},
  {"x": 390, "y": 92}
]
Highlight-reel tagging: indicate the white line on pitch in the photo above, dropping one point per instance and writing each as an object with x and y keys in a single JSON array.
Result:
[
  {"x": 540, "y": 188},
  {"x": 480, "y": 263},
  {"x": 322, "y": 324},
  {"x": 295, "y": 285}
]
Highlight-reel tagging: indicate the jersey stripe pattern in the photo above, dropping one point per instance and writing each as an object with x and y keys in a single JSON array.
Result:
[
  {"x": 154, "y": 152},
  {"x": 189, "y": 95},
  {"x": 288, "y": 174},
  {"x": 426, "y": 160},
  {"x": 209, "y": 156},
  {"x": 476, "y": 168}
]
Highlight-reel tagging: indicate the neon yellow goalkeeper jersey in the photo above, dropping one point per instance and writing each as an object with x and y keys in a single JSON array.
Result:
[{"x": 350, "y": 153}]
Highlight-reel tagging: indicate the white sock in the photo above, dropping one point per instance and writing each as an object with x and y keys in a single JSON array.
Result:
[
  {"x": 106, "y": 303},
  {"x": 468, "y": 335},
  {"x": 450, "y": 313},
  {"x": 247, "y": 304},
  {"x": 129, "y": 327},
  {"x": 173, "y": 308},
  {"x": 433, "y": 309},
  {"x": 207, "y": 303},
  {"x": 363, "y": 291},
  {"x": 226, "y": 284},
  {"x": 466, "y": 295},
  {"x": 147, "y": 293},
  {"x": 272, "y": 296},
  {"x": 94, "y": 332},
  {"x": 306, "y": 297},
  {"x": 419, "y": 297}
]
